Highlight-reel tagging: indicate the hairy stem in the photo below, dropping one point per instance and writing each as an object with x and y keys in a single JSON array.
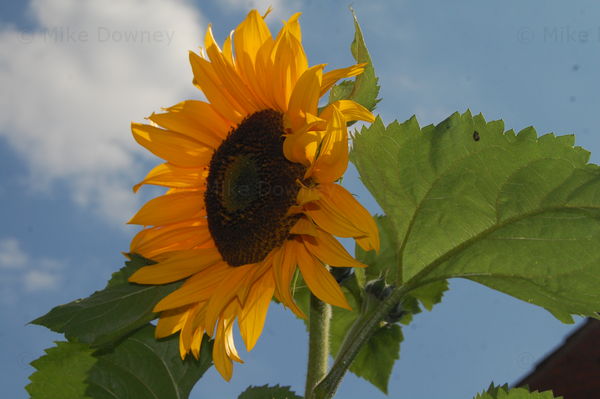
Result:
[
  {"x": 318, "y": 344},
  {"x": 362, "y": 329}
]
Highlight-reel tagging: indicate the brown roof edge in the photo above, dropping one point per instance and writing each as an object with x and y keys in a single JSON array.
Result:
[{"x": 587, "y": 329}]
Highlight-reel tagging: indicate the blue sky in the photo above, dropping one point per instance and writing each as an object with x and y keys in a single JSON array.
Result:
[{"x": 75, "y": 73}]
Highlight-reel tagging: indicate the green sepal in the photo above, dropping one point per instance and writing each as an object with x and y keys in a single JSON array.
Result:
[{"x": 364, "y": 88}]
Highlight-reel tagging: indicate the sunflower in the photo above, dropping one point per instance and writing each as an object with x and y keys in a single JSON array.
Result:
[{"x": 252, "y": 193}]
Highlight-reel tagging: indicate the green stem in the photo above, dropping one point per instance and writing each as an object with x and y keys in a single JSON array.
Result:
[
  {"x": 359, "y": 334},
  {"x": 318, "y": 344}
]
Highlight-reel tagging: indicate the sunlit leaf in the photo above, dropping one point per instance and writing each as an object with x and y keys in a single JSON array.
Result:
[
  {"x": 518, "y": 213},
  {"x": 62, "y": 372},
  {"x": 503, "y": 392}
]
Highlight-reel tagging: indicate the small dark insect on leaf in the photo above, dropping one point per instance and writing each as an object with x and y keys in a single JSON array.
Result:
[{"x": 476, "y": 135}]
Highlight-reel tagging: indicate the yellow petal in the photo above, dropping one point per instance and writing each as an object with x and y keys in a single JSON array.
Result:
[
  {"x": 260, "y": 79},
  {"x": 306, "y": 195},
  {"x": 304, "y": 226},
  {"x": 353, "y": 111},
  {"x": 232, "y": 82},
  {"x": 181, "y": 265},
  {"x": 329, "y": 251},
  {"x": 253, "y": 43},
  {"x": 290, "y": 63},
  {"x": 227, "y": 290},
  {"x": 293, "y": 26},
  {"x": 305, "y": 96},
  {"x": 254, "y": 313},
  {"x": 175, "y": 148},
  {"x": 168, "y": 175},
  {"x": 301, "y": 147},
  {"x": 197, "y": 342},
  {"x": 197, "y": 119},
  {"x": 170, "y": 208},
  {"x": 284, "y": 266},
  {"x": 248, "y": 38},
  {"x": 222, "y": 361},
  {"x": 332, "y": 155},
  {"x": 155, "y": 241},
  {"x": 197, "y": 288},
  {"x": 186, "y": 333},
  {"x": 213, "y": 88},
  {"x": 170, "y": 322},
  {"x": 341, "y": 206},
  {"x": 228, "y": 50},
  {"x": 230, "y": 344},
  {"x": 331, "y": 77},
  {"x": 320, "y": 282},
  {"x": 256, "y": 273}
]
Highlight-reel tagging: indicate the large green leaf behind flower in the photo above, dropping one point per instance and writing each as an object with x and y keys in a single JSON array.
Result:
[{"x": 516, "y": 212}]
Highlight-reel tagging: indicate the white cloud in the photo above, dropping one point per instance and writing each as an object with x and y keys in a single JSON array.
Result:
[
  {"x": 40, "y": 280},
  {"x": 280, "y": 9},
  {"x": 19, "y": 270},
  {"x": 11, "y": 254},
  {"x": 71, "y": 88}
]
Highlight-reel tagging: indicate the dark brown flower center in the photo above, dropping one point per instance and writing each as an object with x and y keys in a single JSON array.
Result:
[{"x": 250, "y": 188}]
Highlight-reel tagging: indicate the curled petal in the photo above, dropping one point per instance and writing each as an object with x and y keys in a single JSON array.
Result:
[
  {"x": 340, "y": 214},
  {"x": 329, "y": 251},
  {"x": 331, "y": 159},
  {"x": 331, "y": 77},
  {"x": 305, "y": 96},
  {"x": 320, "y": 282}
]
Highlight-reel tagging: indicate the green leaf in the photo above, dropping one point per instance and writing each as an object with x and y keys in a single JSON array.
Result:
[
  {"x": 268, "y": 392},
  {"x": 131, "y": 266},
  {"x": 383, "y": 263},
  {"x": 503, "y": 392},
  {"x": 375, "y": 360},
  {"x": 518, "y": 213},
  {"x": 141, "y": 366},
  {"x": 108, "y": 315},
  {"x": 430, "y": 294},
  {"x": 493, "y": 390},
  {"x": 364, "y": 88},
  {"x": 61, "y": 373}
]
